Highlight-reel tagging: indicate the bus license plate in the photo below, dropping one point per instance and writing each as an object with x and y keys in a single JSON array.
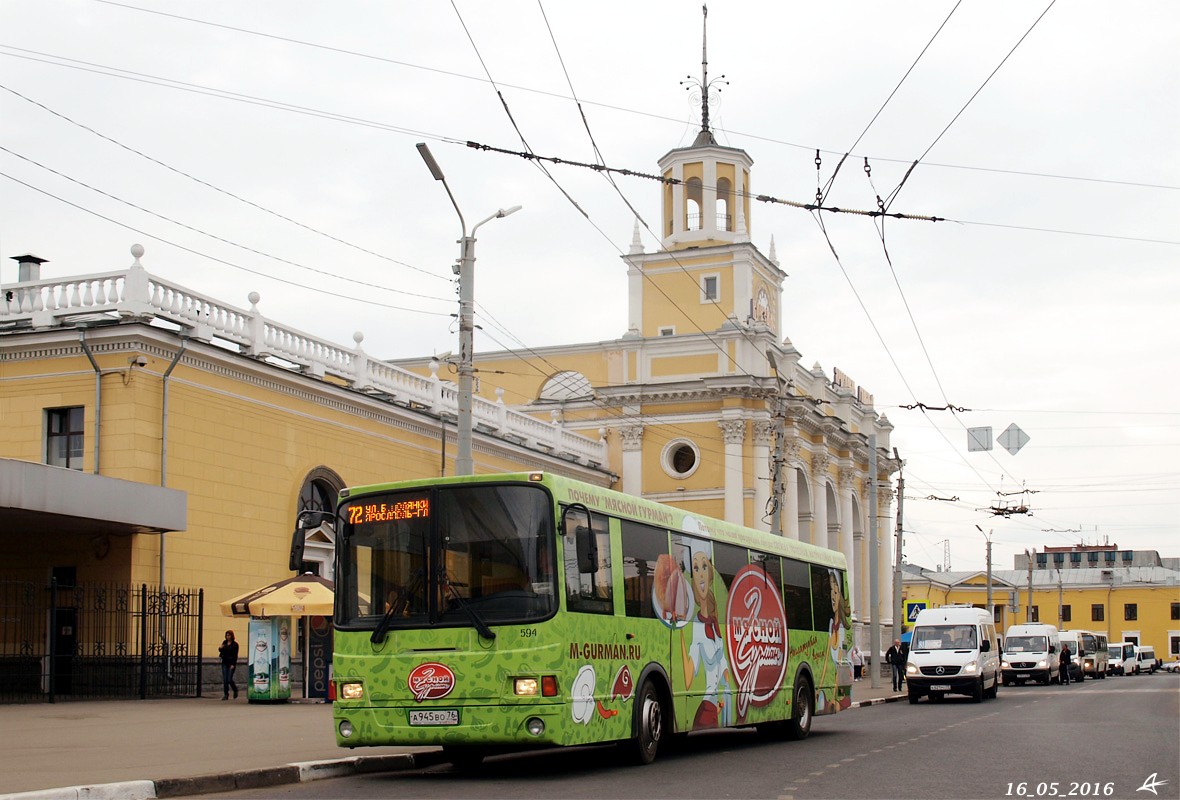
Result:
[
  {"x": 1023, "y": 675},
  {"x": 941, "y": 687},
  {"x": 435, "y": 716}
]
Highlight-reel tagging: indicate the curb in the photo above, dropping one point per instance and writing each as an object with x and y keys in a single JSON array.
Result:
[{"x": 297, "y": 772}]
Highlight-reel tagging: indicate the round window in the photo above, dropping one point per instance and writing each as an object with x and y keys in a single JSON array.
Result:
[{"x": 681, "y": 458}]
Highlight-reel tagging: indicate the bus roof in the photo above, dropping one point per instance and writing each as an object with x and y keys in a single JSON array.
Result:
[{"x": 597, "y": 498}]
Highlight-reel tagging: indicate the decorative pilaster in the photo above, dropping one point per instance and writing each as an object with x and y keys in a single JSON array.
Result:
[
  {"x": 847, "y": 484},
  {"x": 632, "y": 438},
  {"x": 733, "y": 431}
]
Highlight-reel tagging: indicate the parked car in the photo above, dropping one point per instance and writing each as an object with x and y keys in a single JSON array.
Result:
[{"x": 1170, "y": 666}]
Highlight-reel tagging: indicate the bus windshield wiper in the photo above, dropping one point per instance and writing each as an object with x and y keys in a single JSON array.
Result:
[
  {"x": 396, "y": 609},
  {"x": 476, "y": 619}
]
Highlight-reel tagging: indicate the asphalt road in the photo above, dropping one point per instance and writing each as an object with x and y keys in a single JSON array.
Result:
[{"x": 1097, "y": 739}]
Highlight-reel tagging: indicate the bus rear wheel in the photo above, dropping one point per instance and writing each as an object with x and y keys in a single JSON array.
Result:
[
  {"x": 799, "y": 725},
  {"x": 649, "y": 725}
]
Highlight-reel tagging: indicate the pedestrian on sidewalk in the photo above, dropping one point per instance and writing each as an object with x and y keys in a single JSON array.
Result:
[
  {"x": 895, "y": 656},
  {"x": 229, "y": 664},
  {"x": 858, "y": 663},
  {"x": 1064, "y": 660}
]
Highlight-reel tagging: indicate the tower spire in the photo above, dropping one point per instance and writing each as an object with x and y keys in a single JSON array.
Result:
[
  {"x": 705, "y": 137},
  {"x": 705, "y": 69}
]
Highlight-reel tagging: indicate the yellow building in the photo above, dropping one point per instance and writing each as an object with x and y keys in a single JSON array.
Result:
[
  {"x": 1139, "y": 604},
  {"x": 155, "y": 436}
]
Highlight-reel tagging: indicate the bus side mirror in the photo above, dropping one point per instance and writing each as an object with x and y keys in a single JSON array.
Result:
[
  {"x": 587, "y": 547},
  {"x": 585, "y": 541},
  {"x": 298, "y": 541},
  {"x": 986, "y": 646},
  {"x": 1052, "y": 648}
]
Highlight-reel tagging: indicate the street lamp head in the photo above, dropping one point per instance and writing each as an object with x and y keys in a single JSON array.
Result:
[
  {"x": 431, "y": 164},
  {"x": 504, "y": 212}
]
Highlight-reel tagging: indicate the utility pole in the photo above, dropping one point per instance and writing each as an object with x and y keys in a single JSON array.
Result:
[
  {"x": 899, "y": 619},
  {"x": 780, "y": 434},
  {"x": 874, "y": 583},
  {"x": 1028, "y": 611}
]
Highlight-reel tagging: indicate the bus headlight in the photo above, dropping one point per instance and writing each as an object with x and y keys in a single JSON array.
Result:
[
  {"x": 1004, "y": 664},
  {"x": 535, "y": 726},
  {"x": 354, "y": 690},
  {"x": 1042, "y": 664},
  {"x": 910, "y": 669},
  {"x": 525, "y": 687},
  {"x": 970, "y": 667}
]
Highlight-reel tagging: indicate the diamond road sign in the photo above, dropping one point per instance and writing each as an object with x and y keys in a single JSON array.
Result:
[
  {"x": 1012, "y": 439},
  {"x": 979, "y": 439}
]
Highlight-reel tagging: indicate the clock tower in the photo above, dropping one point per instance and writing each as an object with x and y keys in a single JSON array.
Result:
[{"x": 706, "y": 273}]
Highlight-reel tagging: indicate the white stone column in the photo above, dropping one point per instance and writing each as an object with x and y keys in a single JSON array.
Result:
[
  {"x": 632, "y": 459},
  {"x": 791, "y": 463},
  {"x": 847, "y": 486},
  {"x": 859, "y": 592},
  {"x": 819, "y": 500},
  {"x": 885, "y": 554},
  {"x": 763, "y": 437},
  {"x": 734, "y": 433},
  {"x": 709, "y": 198}
]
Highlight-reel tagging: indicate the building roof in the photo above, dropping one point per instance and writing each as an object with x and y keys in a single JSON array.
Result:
[{"x": 1041, "y": 579}]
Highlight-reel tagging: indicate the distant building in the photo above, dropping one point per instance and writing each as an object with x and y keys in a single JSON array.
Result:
[
  {"x": 1138, "y": 604},
  {"x": 1094, "y": 556}
]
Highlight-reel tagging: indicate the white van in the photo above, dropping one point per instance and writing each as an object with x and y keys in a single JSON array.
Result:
[
  {"x": 1088, "y": 658},
  {"x": 953, "y": 650},
  {"x": 1119, "y": 652},
  {"x": 1030, "y": 654},
  {"x": 1142, "y": 661}
]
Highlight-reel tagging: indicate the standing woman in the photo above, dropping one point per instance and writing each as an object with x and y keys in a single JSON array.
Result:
[{"x": 229, "y": 663}]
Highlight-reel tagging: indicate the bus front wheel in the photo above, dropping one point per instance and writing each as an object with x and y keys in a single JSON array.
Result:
[{"x": 649, "y": 725}]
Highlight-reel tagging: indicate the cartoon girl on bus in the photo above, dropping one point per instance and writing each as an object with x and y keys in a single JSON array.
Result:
[
  {"x": 839, "y": 634},
  {"x": 707, "y": 653}
]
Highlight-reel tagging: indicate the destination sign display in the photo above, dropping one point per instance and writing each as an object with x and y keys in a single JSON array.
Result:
[{"x": 367, "y": 513}]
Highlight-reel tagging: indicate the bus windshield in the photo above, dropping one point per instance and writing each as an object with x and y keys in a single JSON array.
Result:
[
  {"x": 945, "y": 637},
  {"x": 1026, "y": 644},
  {"x": 436, "y": 557}
]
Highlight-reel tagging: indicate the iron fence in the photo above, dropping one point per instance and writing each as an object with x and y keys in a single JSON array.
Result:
[{"x": 98, "y": 641}]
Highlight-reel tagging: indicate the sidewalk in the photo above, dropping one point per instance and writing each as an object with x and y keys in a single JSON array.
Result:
[{"x": 166, "y": 748}]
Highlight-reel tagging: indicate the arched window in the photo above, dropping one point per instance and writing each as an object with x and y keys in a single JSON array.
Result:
[
  {"x": 694, "y": 196},
  {"x": 567, "y": 385},
  {"x": 320, "y": 490}
]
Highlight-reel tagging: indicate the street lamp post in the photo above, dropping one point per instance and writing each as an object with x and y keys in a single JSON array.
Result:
[
  {"x": 988, "y": 536},
  {"x": 464, "y": 463}
]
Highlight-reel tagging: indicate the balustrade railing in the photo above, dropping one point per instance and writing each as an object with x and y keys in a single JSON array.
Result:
[{"x": 134, "y": 293}]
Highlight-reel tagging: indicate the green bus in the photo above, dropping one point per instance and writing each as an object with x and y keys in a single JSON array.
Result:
[{"x": 504, "y": 612}]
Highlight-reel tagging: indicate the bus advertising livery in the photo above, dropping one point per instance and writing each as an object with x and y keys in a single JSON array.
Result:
[{"x": 498, "y": 612}]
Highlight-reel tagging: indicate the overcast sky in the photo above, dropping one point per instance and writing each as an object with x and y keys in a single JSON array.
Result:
[{"x": 275, "y": 153}]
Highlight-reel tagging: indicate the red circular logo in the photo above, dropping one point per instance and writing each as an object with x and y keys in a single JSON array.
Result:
[
  {"x": 757, "y": 637},
  {"x": 431, "y": 681}
]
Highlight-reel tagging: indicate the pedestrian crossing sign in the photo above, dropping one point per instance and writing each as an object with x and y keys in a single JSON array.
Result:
[{"x": 912, "y": 607}]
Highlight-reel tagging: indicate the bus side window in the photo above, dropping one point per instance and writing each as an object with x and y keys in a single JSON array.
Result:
[
  {"x": 797, "y": 594},
  {"x": 642, "y": 547},
  {"x": 588, "y": 574}
]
